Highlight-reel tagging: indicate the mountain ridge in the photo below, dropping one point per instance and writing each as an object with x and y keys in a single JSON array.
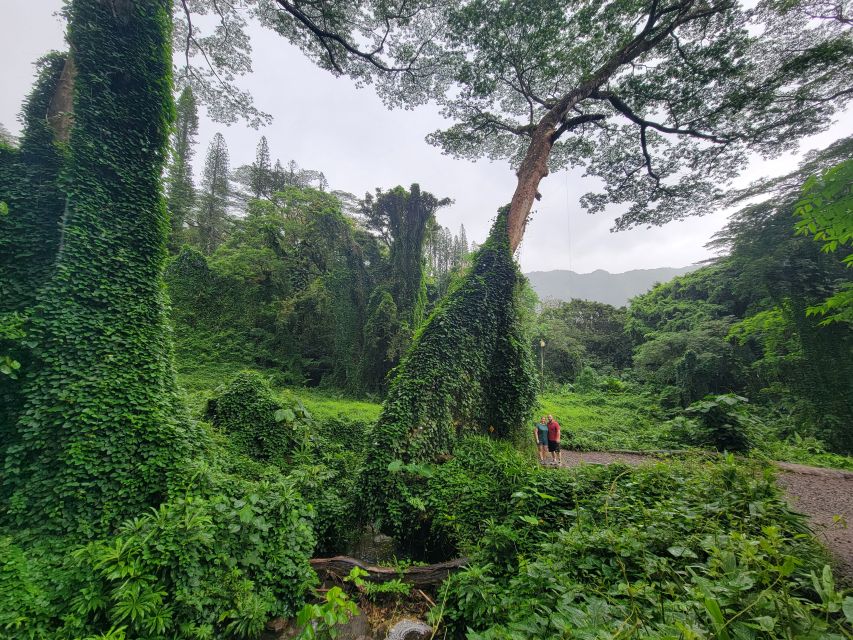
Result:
[{"x": 600, "y": 285}]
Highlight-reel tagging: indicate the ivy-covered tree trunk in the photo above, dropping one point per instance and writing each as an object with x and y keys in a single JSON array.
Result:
[
  {"x": 29, "y": 232},
  {"x": 99, "y": 432},
  {"x": 470, "y": 369}
]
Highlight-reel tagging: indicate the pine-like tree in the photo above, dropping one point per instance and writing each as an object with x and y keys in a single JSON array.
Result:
[
  {"x": 211, "y": 219},
  {"x": 279, "y": 178},
  {"x": 260, "y": 176},
  {"x": 463, "y": 241},
  {"x": 180, "y": 190},
  {"x": 6, "y": 136}
]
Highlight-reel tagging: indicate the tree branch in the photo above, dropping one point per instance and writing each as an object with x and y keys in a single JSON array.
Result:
[
  {"x": 325, "y": 37},
  {"x": 625, "y": 110},
  {"x": 571, "y": 123}
]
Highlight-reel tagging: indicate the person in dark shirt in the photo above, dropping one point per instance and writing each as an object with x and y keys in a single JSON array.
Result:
[{"x": 554, "y": 440}]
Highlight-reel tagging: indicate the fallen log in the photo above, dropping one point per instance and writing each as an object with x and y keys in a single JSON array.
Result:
[{"x": 425, "y": 576}]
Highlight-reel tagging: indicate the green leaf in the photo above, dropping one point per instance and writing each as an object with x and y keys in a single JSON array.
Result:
[
  {"x": 847, "y": 608},
  {"x": 285, "y": 415},
  {"x": 246, "y": 513},
  {"x": 765, "y": 623}
]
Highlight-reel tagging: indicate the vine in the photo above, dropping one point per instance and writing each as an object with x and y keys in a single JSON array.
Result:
[
  {"x": 31, "y": 205},
  {"x": 29, "y": 185},
  {"x": 469, "y": 369},
  {"x": 100, "y": 432}
]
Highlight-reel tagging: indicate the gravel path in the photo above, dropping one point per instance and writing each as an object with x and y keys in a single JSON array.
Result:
[{"x": 824, "y": 495}]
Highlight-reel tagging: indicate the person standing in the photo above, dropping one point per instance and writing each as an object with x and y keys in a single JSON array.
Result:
[
  {"x": 554, "y": 441},
  {"x": 540, "y": 432}
]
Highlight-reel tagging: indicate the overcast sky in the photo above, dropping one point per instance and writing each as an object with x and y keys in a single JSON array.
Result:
[{"x": 325, "y": 123}]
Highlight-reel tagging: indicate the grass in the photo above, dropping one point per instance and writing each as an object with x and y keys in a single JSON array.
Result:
[
  {"x": 599, "y": 420},
  {"x": 200, "y": 381},
  {"x": 327, "y": 404},
  {"x": 591, "y": 421},
  {"x": 602, "y": 421}
]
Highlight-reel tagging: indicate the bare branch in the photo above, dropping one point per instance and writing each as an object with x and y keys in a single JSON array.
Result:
[
  {"x": 326, "y": 37},
  {"x": 625, "y": 110}
]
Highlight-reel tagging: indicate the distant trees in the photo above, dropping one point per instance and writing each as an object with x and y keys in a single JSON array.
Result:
[
  {"x": 260, "y": 177},
  {"x": 446, "y": 254},
  {"x": 211, "y": 221},
  {"x": 180, "y": 187},
  {"x": 582, "y": 333},
  {"x": 400, "y": 220},
  {"x": 6, "y": 136}
]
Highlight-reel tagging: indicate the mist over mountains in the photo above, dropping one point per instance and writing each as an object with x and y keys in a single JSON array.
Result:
[{"x": 600, "y": 285}]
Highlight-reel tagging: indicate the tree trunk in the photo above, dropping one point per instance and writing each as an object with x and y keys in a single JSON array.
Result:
[
  {"x": 533, "y": 168},
  {"x": 61, "y": 110},
  {"x": 429, "y": 576}
]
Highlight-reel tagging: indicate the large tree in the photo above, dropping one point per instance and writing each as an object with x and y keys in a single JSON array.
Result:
[
  {"x": 180, "y": 189},
  {"x": 99, "y": 431},
  {"x": 664, "y": 101},
  {"x": 211, "y": 216}
]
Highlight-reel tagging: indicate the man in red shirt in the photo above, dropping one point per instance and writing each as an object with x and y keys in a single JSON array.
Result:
[{"x": 554, "y": 440}]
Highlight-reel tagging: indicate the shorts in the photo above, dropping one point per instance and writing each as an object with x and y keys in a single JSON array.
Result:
[
  {"x": 543, "y": 438},
  {"x": 554, "y": 446}
]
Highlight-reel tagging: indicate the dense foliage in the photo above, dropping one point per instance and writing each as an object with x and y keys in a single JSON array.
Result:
[
  {"x": 753, "y": 323},
  {"x": 215, "y": 562},
  {"x": 299, "y": 285},
  {"x": 258, "y": 426},
  {"x": 677, "y": 550},
  {"x": 436, "y": 395},
  {"x": 123, "y": 518},
  {"x": 578, "y": 334},
  {"x": 100, "y": 431}
]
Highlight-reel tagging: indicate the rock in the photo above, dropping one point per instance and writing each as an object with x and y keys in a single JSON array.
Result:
[
  {"x": 280, "y": 629},
  {"x": 373, "y": 547},
  {"x": 356, "y": 628},
  {"x": 410, "y": 630}
]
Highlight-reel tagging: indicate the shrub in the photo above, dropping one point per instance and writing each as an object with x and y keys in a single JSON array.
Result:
[
  {"x": 720, "y": 422},
  {"x": 217, "y": 562},
  {"x": 350, "y": 434},
  {"x": 680, "y": 551},
  {"x": 258, "y": 425},
  {"x": 586, "y": 380}
]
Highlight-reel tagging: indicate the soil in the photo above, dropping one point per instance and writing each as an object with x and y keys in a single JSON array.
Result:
[{"x": 824, "y": 495}]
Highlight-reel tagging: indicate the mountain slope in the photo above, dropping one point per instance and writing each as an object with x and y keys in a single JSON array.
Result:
[{"x": 600, "y": 285}]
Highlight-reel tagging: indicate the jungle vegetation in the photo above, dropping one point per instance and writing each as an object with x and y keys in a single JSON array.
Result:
[{"x": 190, "y": 374}]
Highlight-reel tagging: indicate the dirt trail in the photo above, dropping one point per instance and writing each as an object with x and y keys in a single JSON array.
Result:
[{"x": 824, "y": 495}]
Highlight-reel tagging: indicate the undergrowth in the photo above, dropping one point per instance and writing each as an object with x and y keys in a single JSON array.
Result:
[
  {"x": 680, "y": 550},
  {"x": 627, "y": 418}
]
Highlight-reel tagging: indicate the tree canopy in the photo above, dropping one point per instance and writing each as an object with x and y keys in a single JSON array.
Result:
[{"x": 663, "y": 101}]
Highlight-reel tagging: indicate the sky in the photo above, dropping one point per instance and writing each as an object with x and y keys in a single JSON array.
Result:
[{"x": 328, "y": 124}]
